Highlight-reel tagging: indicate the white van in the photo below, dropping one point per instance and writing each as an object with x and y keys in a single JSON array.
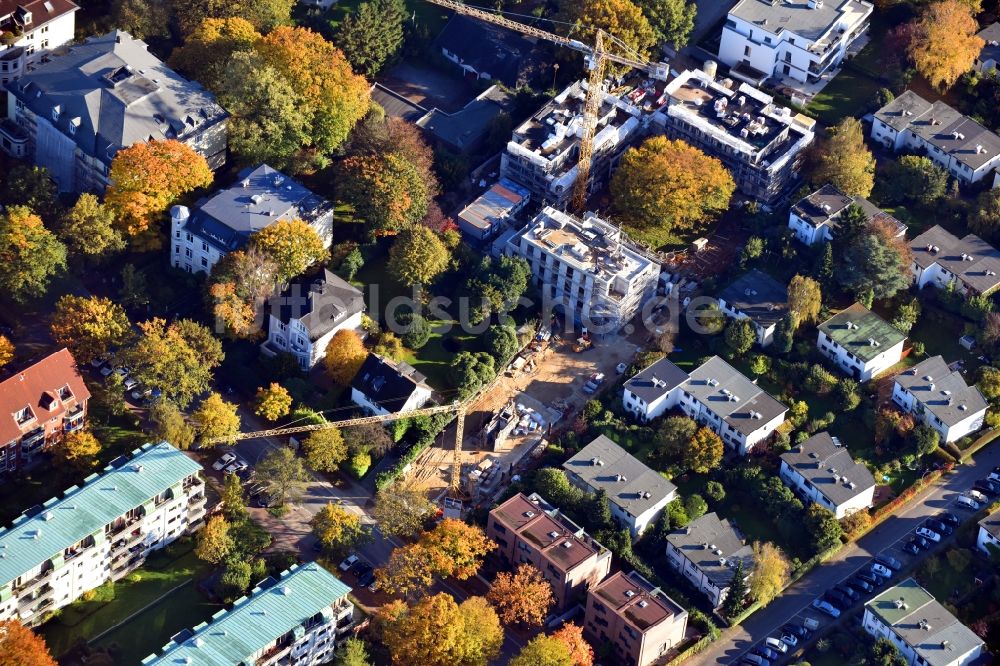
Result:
[
  {"x": 968, "y": 502},
  {"x": 976, "y": 495},
  {"x": 776, "y": 644}
]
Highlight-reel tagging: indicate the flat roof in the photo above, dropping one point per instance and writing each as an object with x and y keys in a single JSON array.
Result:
[
  {"x": 971, "y": 259},
  {"x": 714, "y": 545},
  {"x": 494, "y": 205},
  {"x": 811, "y": 22},
  {"x": 861, "y": 332},
  {"x": 942, "y": 391},
  {"x": 759, "y": 296},
  {"x": 829, "y": 468}
]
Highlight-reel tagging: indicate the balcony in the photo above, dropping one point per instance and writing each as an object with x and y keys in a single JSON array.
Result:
[
  {"x": 25, "y": 589},
  {"x": 73, "y": 420},
  {"x": 124, "y": 526},
  {"x": 30, "y": 441},
  {"x": 274, "y": 654}
]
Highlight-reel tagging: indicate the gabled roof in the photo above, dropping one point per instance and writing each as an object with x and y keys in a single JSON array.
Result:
[
  {"x": 942, "y": 391},
  {"x": 726, "y": 391},
  {"x": 991, "y": 36},
  {"x": 827, "y": 204},
  {"x": 42, "y": 11},
  {"x": 40, "y": 387},
  {"x": 829, "y": 468},
  {"x": 861, "y": 332},
  {"x": 657, "y": 380},
  {"x": 320, "y": 304},
  {"x": 274, "y": 608},
  {"x": 991, "y": 524},
  {"x": 386, "y": 383},
  {"x": 759, "y": 296},
  {"x": 971, "y": 259},
  {"x": 490, "y": 49},
  {"x": 714, "y": 545}
]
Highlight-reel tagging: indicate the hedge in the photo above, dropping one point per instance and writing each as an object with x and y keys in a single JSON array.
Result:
[
  {"x": 988, "y": 437},
  {"x": 889, "y": 507},
  {"x": 434, "y": 425}
]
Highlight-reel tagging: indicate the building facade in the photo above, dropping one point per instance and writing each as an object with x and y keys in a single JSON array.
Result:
[
  {"x": 638, "y": 619},
  {"x": 859, "y": 342},
  {"x": 493, "y": 211},
  {"x": 650, "y": 393},
  {"x": 296, "y": 619},
  {"x": 527, "y": 529},
  {"x": 706, "y": 552},
  {"x": 98, "y": 531},
  {"x": 969, "y": 264},
  {"x": 939, "y": 397},
  {"x": 40, "y": 404},
  {"x": 758, "y": 297},
  {"x": 801, "y": 41},
  {"x": 29, "y": 30},
  {"x": 79, "y": 108},
  {"x": 814, "y": 218},
  {"x": 990, "y": 53},
  {"x": 383, "y": 386},
  {"x": 821, "y": 471},
  {"x": 760, "y": 143},
  {"x": 989, "y": 534}
]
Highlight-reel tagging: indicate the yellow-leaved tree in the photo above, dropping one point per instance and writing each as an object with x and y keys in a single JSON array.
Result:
[
  {"x": 945, "y": 44},
  {"x": 844, "y": 160},
  {"x": 272, "y": 402}
]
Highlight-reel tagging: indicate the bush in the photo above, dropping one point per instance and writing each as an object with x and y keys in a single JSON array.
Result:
[
  {"x": 358, "y": 464},
  {"x": 417, "y": 330},
  {"x": 820, "y": 380},
  {"x": 715, "y": 491}
]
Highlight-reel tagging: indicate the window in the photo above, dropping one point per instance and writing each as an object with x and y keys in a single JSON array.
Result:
[
  {"x": 187, "y": 252},
  {"x": 204, "y": 247},
  {"x": 746, "y": 51},
  {"x": 23, "y": 415},
  {"x": 190, "y": 238},
  {"x": 204, "y": 262}
]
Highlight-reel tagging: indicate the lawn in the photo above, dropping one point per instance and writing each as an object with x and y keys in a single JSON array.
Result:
[
  {"x": 940, "y": 331},
  {"x": 946, "y": 582},
  {"x": 434, "y": 358},
  {"x": 843, "y": 97}
]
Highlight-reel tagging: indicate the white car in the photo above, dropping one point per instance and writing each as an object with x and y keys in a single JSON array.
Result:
[
  {"x": 348, "y": 563},
  {"x": 130, "y": 383},
  {"x": 881, "y": 570},
  {"x": 789, "y": 640},
  {"x": 775, "y": 644},
  {"x": 223, "y": 461},
  {"x": 826, "y": 607},
  {"x": 621, "y": 368},
  {"x": 930, "y": 535},
  {"x": 236, "y": 467}
]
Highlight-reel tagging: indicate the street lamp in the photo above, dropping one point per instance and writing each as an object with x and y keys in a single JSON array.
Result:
[{"x": 555, "y": 70}]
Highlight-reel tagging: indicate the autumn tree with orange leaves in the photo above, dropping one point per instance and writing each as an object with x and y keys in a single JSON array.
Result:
[
  {"x": 571, "y": 635},
  {"x": 387, "y": 191},
  {"x": 523, "y": 597},
  {"x": 146, "y": 178},
  {"x": 239, "y": 286},
  {"x": 344, "y": 356},
  {"x": 944, "y": 44},
  {"x": 20, "y": 646},
  {"x": 437, "y": 631}
]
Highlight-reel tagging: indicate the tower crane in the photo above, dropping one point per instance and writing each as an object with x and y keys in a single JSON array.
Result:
[{"x": 597, "y": 57}]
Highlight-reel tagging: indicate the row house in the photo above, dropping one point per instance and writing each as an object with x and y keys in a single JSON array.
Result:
[
  {"x": 815, "y": 217},
  {"x": 707, "y": 552},
  {"x": 821, "y": 471},
  {"x": 758, "y": 297},
  {"x": 942, "y": 260},
  {"x": 859, "y": 342},
  {"x": 939, "y": 397}
]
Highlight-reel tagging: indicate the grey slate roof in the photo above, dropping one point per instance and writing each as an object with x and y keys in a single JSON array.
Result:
[
  {"x": 656, "y": 380},
  {"x": 696, "y": 541},
  {"x": 759, "y": 296},
  {"x": 942, "y": 391},
  {"x": 971, "y": 259},
  {"x": 711, "y": 381},
  {"x": 386, "y": 383},
  {"x": 499, "y": 52},
  {"x": 991, "y": 49},
  {"x": 115, "y": 93},
  {"x": 827, "y": 204},
  {"x": 794, "y": 15},
  {"x": 259, "y": 197},
  {"x": 320, "y": 304},
  {"x": 991, "y": 524},
  {"x": 629, "y": 483},
  {"x": 826, "y": 466}
]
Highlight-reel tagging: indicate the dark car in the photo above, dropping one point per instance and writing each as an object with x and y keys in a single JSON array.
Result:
[
  {"x": 939, "y": 527},
  {"x": 841, "y": 601},
  {"x": 367, "y": 578},
  {"x": 911, "y": 548},
  {"x": 872, "y": 580},
  {"x": 994, "y": 484},
  {"x": 766, "y": 652},
  {"x": 920, "y": 542},
  {"x": 862, "y": 585},
  {"x": 795, "y": 630},
  {"x": 950, "y": 519},
  {"x": 847, "y": 591},
  {"x": 985, "y": 487},
  {"x": 359, "y": 568},
  {"x": 888, "y": 561}
]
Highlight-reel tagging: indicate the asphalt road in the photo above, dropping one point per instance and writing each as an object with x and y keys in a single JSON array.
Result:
[{"x": 796, "y": 599}]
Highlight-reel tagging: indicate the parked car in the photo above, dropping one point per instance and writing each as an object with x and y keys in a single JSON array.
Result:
[
  {"x": 130, "y": 383},
  {"x": 224, "y": 461},
  {"x": 826, "y": 607},
  {"x": 791, "y": 640},
  {"x": 236, "y": 467},
  {"x": 950, "y": 519},
  {"x": 106, "y": 370},
  {"x": 978, "y": 496},
  {"x": 938, "y": 527},
  {"x": 621, "y": 368},
  {"x": 848, "y": 591},
  {"x": 795, "y": 630},
  {"x": 756, "y": 659},
  {"x": 839, "y": 599},
  {"x": 766, "y": 652},
  {"x": 874, "y": 581},
  {"x": 97, "y": 362},
  {"x": 911, "y": 548},
  {"x": 987, "y": 487},
  {"x": 889, "y": 561},
  {"x": 776, "y": 644},
  {"x": 594, "y": 382},
  {"x": 966, "y": 502},
  {"x": 348, "y": 563},
  {"x": 920, "y": 542},
  {"x": 930, "y": 535},
  {"x": 367, "y": 577},
  {"x": 862, "y": 585},
  {"x": 881, "y": 570},
  {"x": 993, "y": 476}
]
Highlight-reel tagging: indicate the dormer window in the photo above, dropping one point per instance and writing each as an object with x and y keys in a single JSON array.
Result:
[
  {"x": 23, "y": 416},
  {"x": 73, "y": 125},
  {"x": 49, "y": 401},
  {"x": 65, "y": 393},
  {"x": 56, "y": 112}
]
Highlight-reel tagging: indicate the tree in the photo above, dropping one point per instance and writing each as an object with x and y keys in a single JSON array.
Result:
[
  {"x": 844, "y": 160},
  {"x": 436, "y": 631},
  {"x": 272, "y": 402},
  {"x": 293, "y": 245},
  {"x": 371, "y": 35},
  {"x": 141, "y": 18},
  {"x": 877, "y": 262},
  {"x": 368, "y": 437},
  {"x": 78, "y": 448},
  {"x": 732, "y": 605},
  {"x": 20, "y": 646},
  {"x": 771, "y": 572},
  {"x": 670, "y": 186},
  {"x": 760, "y": 364},
  {"x": 353, "y": 653},
  {"x": 470, "y": 371},
  {"x": 823, "y": 528},
  {"x": 944, "y": 43},
  {"x": 417, "y": 329},
  {"x": 344, "y": 356},
  {"x": 401, "y": 511},
  {"x": 621, "y": 18},
  {"x": 339, "y": 530},
  {"x": 497, "y": 285},
  {"x": 674, "y": 434},
  {"x": 32, "y": 187},
  {"x": 325, "y": 450},
  {"x": 580, "y": 652},
  {"x": 459, "y": 548},
  {"x": 387, "y": 191},
  {"x": 523, "y": 597},
  {"x": 417, "y": 256},
  {"x": 6, "y": 350},
  {"x": 30, "y": 254},
  {"x": 409, "y": 571},
  {"x": 740, "y": 336},
  {"x": 916, "y": 178},
  {"x": 282, "y": 474},
  {"x": 884, "y": 652},
  {"x": 804, "y": 299},
  {"x": 379, "y": 134},
  {"x": 926, "y": 439},
  {"x": 214, "y": 542},
  {"x": 671, "y": 20},
  {"x": 715, "y": 491},
  {"x": 216, "y": 419},
  {"x": 695, "y": 506},
  {"x": 208, "y": 50},
  {"x": 989, "y": 382},
  {"x": 89, "y": 326},
  {"x": 856, "y": 524},
  {"x": 234, "y": 506},
  {"x": 239, "y": 285},
  {"x": 264, "y": 15},
  {"x": 502, "y": 343},
  {"x": 543, "y": 650},
  {"x": 147, "y": 177},
  {"x": 984, "y": 220},
  {"x": 88, "y": 228},
  {"x": 704, "y": 451},
  {"x": 390, "y": 346},
  {"x": 906, "y": 315}
]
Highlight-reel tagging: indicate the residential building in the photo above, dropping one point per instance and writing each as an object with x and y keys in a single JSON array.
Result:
[
  {"x": 296, "y": 619},
  {"x": 989, "y": 533},
  {"x": 383, "y": 386},
  {"x": 41, "y": 402},
  {"x": 761, "y": 144},
  {"x": 225, "y": 221},
  {"x": 706, "y": 552},
  {"x": 483, "y": 51},
  {"x": 306, "y": 314},
  {"x": 464, "y": 130},
  {"x": 939, "y": 396},
  {"x": 653, "y": 391},
  {"x": 527, "y": 529},
  {"x": 638, "y": 619},
  {"x": 543, "y": 152},
  {"x": 815, "y": 217},
  {"x": 92, "y": 99},
  {"x": 756, "y": 296},
  {"x": 990, "y": 53},
  {"x": 493, "y": 211},
  {"x": 821, "y": 471},
  {"x": 959, "y": 144},
  {"x": 98, "y": 531},
  {"x": 636, "y": 493},
  {"x": 29, "y": 29},
  {"x": 587, "y": 268},
  {"x": 859, "y": 342},
  {"x": 969, "y": 263},
  {"x": 925, "y": 632},
  {"x": 801, "y": 41}
]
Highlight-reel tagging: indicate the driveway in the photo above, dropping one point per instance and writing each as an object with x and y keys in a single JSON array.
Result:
[{"x": 941, "y": 497}]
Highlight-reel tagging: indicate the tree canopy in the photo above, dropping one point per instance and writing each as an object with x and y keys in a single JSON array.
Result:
[
  {"x": 417, "y": 256},
  {"x": 544, "y": 650},
  {"x": 30, "y": 254},
  {"x": 523, "y": 597},
  {"x": 844, "y": 160},
  {"x": 338, "y": 529},
  {"x": 272, "y": 402},
  {"x": 293, "y": 245},
  {"x": 207, "y": 51},
  {"x": 944, "y": 43},
  {"x": 771, "y": 573},
  {"x": 372, "y": 34},
  {"x": 20, "y": 646},
  {"x": 344, "y": 356},
  {"x": 878, "y": 261},
  {"x": 88, "y": 228},
  {"x": 436, "y": 631},
  {"x": 177, "y": 358},
  {"x": 704, "y": 451},
  {"x": 325, "y": 450},
  {"x": 282, "y": 474},
  {"x": 89, "y": 326},
  {"x": 216, "y": 418},
  {"x": 401, "y": 511},
  {"x": 78, "y": 448},
  {"x": 621, "y": 18},
  {"x": 671, "y": 20},
  {"x": 387, "y": 191},
  {"x": 804, "y": 299}
]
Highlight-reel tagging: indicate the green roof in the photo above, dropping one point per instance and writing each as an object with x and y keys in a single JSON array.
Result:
[
  {"x": 897, "y": 602},
  {"x": 83, "y": 510},
  {"x": 855, "y": 328},
  {"x": 274, "y": 608}
]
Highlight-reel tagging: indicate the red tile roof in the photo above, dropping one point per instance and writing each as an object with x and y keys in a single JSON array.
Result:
[
  {"x": 42, "y": 11},
  {"x": 557, "y": 541},
  {"x": 38, "y": 386}
]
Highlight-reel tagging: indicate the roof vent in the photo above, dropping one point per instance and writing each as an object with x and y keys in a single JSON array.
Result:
[
  {"x": 138, "y": 468},
  {"x": 553, "y": 535},
  {"x": 963, "y": 407},
  {"x": 567, "y": 544},
  {"x": 925, "y": 625},
  {"x": 47, "y": 516},
  {"x": 901, "y": 603},
  {"x": 642, "y": 603},
  {"x": 286, "y": 591},
  {"x": 529, "y": 514},
  {"x": 629, "y": 593}
]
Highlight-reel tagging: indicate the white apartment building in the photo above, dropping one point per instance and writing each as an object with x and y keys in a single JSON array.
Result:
[
  {"x": 296, "y": 619},
  {"x": 587, "y": 268},
  {"x": 941, "y": 258},
  {"x": 223, "y": 223},
  {"x": 32, "y": 28},
  {"x": 821, "y": 471},
  {"x": 383, "y": 386},
  {"x": 650, "y": 393},
  {"x": 859, "y": 342},
  {"x": 939, "y": 397},
  {"x": 98, "y": 531},
  {"x": 989, "y": 533},
  {"x": 756, "y": 296},
  {"x": 990, "y": 54},
  {"x": 959, "y": 144},
  {"x": 636, "y": 494},
  {"x": 797, "y": 39},
  {"x": 925, "y": 632},
  {"x": 305, "y": 316},
  {"x": 760, "y": 143},
  {"x": 815, "y": 217},
  {"x": 706, "y": 552}
]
